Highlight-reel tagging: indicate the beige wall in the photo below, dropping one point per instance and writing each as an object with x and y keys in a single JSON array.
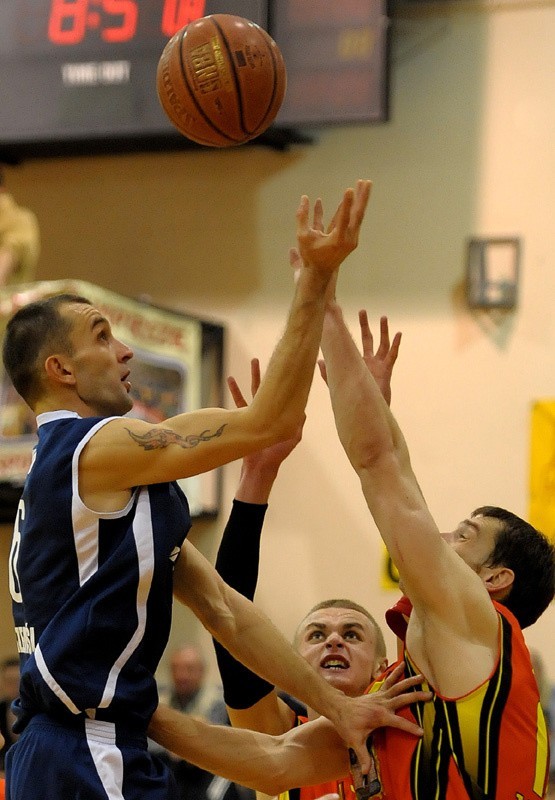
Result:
[{"x": 468, "y": 151}]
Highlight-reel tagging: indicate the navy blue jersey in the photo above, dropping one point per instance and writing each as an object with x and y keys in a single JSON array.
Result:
[{"x": 92, "y": 592}]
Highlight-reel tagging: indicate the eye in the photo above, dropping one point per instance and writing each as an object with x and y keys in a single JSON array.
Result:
[
  {"x": 315, "y": 636},
  {"x": 352, "y": 635}
]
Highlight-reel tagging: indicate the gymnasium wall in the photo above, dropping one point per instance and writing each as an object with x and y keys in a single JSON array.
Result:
[{"x": 468, "y": 152}]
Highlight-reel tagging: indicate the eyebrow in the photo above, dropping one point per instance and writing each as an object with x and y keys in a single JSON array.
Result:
[
  {"x": 471, "y": 524},
  {"x": 321, "y": 626},
  {"x": 99, "y": 320}
]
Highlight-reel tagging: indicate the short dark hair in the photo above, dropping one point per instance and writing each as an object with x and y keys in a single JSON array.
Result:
[
  {"x": 341, "y": 602},
  {"x": 531, "y": 556},
  {"x": 35, "y": 329}
]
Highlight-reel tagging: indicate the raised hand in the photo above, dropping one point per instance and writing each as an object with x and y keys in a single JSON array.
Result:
[
  {"x": 380, "y": 363},
  {"x": 259, "y": 469},
  {"x": 380, "y": 711},
  {"x": 324, "y": 249}
]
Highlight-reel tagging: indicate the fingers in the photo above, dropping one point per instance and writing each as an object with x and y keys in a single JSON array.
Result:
[
  {"x": 318, "y": 223},
  {"x": 408, "y": 698},
  {"x": 361, "y": 197},
  {"x": 349, "y": 213},
  {"x": 342, "y": 216},
  {"x": 384, "y": 337},
  {"x": 236, "y": 393},
  {"x": 387, "y": 350},
  {"x": 394, "y": 349},
  {"x": 362, "y": 757},
  {"x": 365, "y": 334},
  {"x": 393, "y": 677},
  {"x": 322, "y": 368},
  {"x": 404, "y": 724},
  {"x": 302, "y": 215},
  {"x": 255, "y": 376}
]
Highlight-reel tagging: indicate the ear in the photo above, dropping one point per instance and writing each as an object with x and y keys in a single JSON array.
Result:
[
  {"x": 380, "y": 665},
  {"x": 58, "y": 370},
  {"x": 498, "y": 580}
]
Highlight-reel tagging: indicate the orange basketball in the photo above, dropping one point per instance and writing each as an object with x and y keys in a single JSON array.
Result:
[{"x": 221, "y": 80}]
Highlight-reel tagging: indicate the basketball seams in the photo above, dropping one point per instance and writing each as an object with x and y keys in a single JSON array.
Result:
[
  {"x": 238, "y": 92},
  {"x": 224, "y": 75},
  {"x": 187, "y": 83},
  {"x": 275, "y": 85}
]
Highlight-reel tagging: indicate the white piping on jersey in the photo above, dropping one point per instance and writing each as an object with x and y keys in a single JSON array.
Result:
[
  {"x": 85, "y": 533},
  {"x": 52, "y": 683},
  {"x": 144, "y": 541},
  {"x": 85, "y": 521},
  {"x": 101, "y": 738}
]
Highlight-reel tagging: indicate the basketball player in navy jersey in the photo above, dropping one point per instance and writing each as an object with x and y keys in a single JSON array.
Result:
[{"x": 99, "y": 545}]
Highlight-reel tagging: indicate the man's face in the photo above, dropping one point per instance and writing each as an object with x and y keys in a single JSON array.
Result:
[
  {"x": 340, "y": 644},
  {"x": 99, "y": 362},
  {"x": 10, "y": 682},
  {"x": 187, "y": 670},
  {"x": 474, "y": 540}
]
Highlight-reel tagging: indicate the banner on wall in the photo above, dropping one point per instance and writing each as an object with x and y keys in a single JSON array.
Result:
[
  {"x": 168, "y": 370},
  {"x": 541, "y": 512},
  {"x": 389, "y": 578}
]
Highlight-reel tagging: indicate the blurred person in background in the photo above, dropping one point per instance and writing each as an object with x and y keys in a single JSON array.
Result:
[
  {"x": 19, "y": 240},
  {"x": 192, "y": 693},
  {"x": 9, "y": 691}
]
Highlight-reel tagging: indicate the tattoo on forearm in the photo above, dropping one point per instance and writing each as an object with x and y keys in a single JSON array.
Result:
[{"x": 160, "y": 438}]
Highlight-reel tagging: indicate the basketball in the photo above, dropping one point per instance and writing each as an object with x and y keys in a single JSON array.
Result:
[{"x": 221, "y": 80}]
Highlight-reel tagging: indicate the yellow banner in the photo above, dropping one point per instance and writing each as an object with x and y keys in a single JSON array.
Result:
[
  {"x": 541, "y": 512},
  {"x": 389, "y": 575}
]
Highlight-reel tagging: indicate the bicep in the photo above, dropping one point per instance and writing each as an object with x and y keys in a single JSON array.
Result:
[{"x": 129, "y": 452}]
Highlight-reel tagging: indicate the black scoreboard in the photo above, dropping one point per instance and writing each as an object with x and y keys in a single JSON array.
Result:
[{"x": 80, "y": 75}]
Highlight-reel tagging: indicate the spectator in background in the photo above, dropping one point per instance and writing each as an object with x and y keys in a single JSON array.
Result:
[
  {"x": 191, "y": 693},
  {"x": 9, "y": 690},
  {"x": 19, "y": 240}
]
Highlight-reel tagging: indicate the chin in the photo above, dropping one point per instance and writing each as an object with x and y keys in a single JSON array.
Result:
[{"x": 338, "y": 681}]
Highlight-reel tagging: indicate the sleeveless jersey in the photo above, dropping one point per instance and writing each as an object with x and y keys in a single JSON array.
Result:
[
  {"x": 92, "y": 592},
  {"x": 490, "y": 744}
]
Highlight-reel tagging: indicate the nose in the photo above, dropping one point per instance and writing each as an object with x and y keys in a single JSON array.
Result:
[
  {"x": 125, "y": 353},
  {"x": 334, "y": 640},
  {"x": 448, "y": 537}
]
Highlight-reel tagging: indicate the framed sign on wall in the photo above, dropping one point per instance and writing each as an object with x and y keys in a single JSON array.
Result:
[{"x": 177, "y": 367}]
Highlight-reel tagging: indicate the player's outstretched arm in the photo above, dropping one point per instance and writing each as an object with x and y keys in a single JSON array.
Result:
[
  {"x": 251, "y": 701},
  {"x": 378, "y": 452},
  {"x": 251, "y": 637},
  {"x": 306, "y": 755},
  {"x": 130, "y": 452},
  {"x": 381, "y": 362}
]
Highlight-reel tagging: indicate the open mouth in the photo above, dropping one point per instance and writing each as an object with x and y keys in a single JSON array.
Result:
[{"x": 334, "y": 663}]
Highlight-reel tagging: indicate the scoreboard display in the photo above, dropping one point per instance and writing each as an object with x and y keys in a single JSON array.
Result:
[{"x": 80, "y": 75}]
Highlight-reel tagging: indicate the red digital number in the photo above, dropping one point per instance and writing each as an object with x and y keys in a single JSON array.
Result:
[
  {"x": 68, "y": 21},
  {"x": 127, "y": 10},
  {"x": 178, "y": 13}
]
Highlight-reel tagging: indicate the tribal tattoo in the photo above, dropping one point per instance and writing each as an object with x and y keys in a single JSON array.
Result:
[{"x": 160, "y": 438}]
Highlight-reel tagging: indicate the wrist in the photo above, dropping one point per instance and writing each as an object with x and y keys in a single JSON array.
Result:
[{"x": 255, "y": 483}]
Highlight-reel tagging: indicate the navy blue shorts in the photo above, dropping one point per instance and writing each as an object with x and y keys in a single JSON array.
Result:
[{"x": 87, "y": 761}]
